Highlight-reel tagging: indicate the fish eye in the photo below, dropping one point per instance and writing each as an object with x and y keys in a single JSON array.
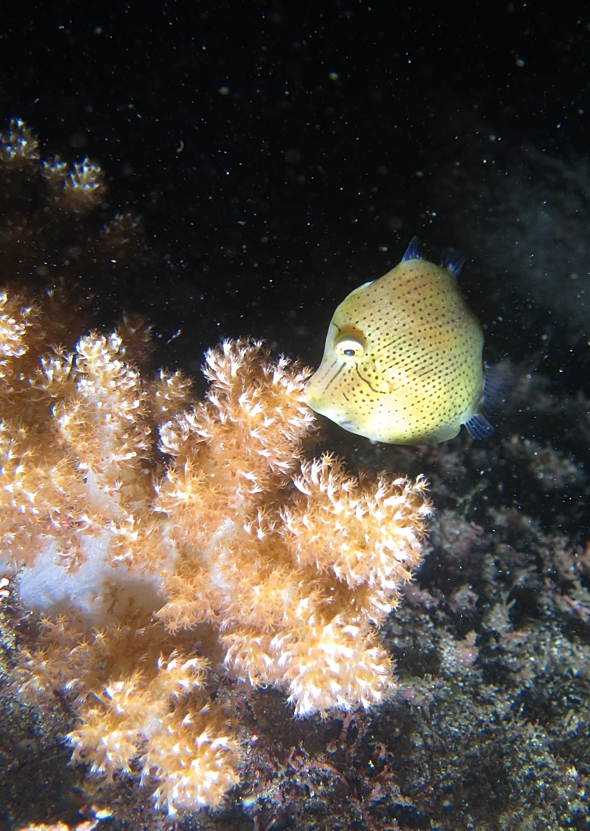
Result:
[{"x": 349, "y": 347}]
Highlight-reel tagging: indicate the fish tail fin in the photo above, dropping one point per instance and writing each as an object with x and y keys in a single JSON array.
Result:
[
  {"x": 479, "y": 427},
  {"x": 496, "y": 382}
]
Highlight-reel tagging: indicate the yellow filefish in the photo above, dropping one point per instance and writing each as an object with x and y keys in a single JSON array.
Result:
[{"x": 403, "y": 358}]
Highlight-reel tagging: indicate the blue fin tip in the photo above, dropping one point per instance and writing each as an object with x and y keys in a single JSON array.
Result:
[
  {"x": 412, "y": 251},
  {"x": 453, "y": 260},
  {"x": 479, "y": 427}
]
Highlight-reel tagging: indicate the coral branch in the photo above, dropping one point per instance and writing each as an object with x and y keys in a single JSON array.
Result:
[{"x": 290, "y": 562}]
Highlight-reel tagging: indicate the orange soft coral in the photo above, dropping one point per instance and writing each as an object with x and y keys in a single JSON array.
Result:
[{"x": 138, "y": 518}]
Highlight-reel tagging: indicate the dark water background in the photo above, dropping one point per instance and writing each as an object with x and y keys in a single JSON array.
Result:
[{"x": 280, "y": 154}]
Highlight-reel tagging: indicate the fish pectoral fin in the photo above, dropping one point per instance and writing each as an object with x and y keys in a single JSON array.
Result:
[{"x": 479, "y": 427}]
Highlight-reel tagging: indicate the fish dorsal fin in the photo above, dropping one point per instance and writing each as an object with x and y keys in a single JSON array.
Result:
[
  {"x": 453, "y": 260},
  {"x": 412, "y": 251}
]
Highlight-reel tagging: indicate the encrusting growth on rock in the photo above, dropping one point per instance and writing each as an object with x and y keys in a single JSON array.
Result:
[{"x": 158, "y": 536}]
